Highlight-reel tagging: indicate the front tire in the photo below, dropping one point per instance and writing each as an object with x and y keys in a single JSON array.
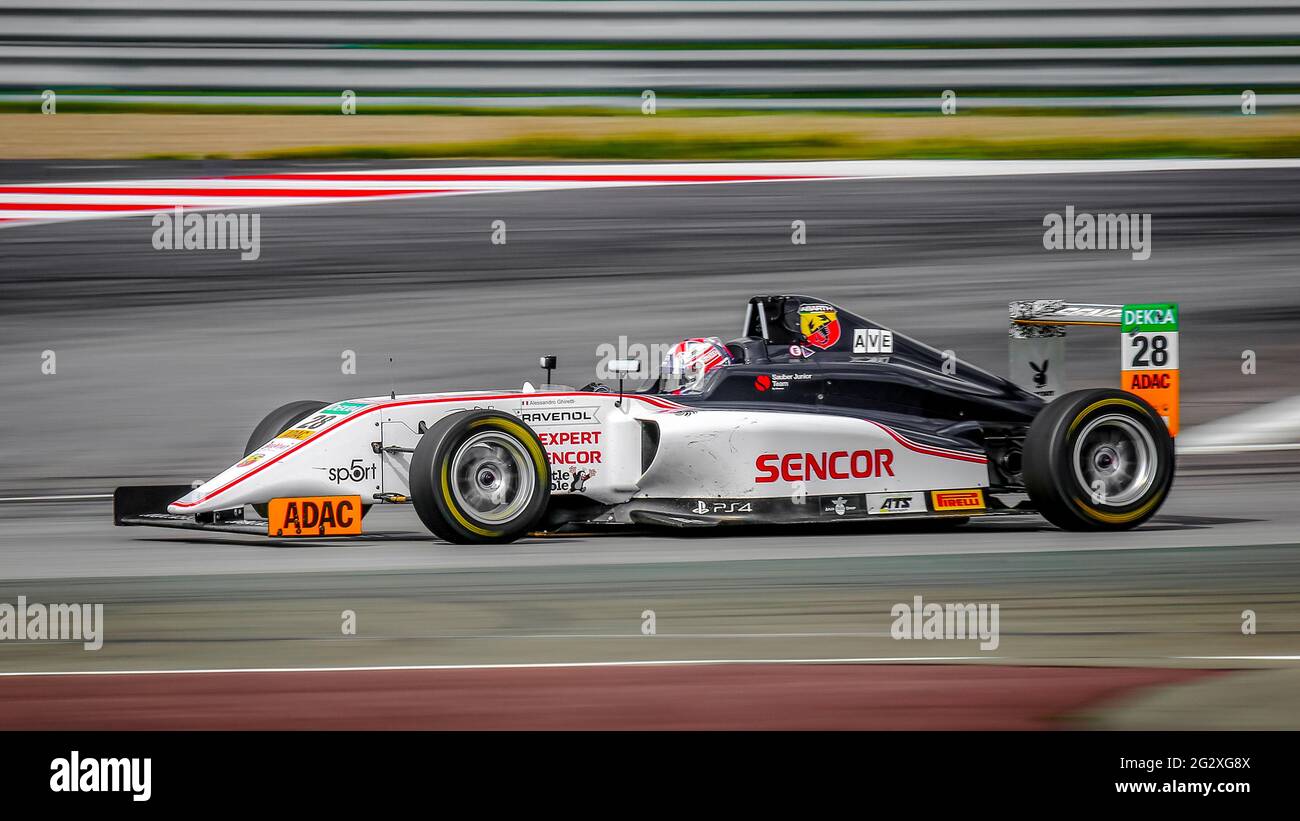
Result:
[
  {"x": 1098, "y": 459},
  {"x": 277, "y": 422},
  {"x": 480, "y": 477}
]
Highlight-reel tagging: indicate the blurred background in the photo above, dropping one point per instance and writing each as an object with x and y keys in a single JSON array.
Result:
[
  {"x": 585, "y": 63},
  {"x": 167, "y": 360}
]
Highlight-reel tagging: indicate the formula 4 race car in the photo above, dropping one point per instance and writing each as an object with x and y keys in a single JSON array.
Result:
[{"x": 812, "y": 415}]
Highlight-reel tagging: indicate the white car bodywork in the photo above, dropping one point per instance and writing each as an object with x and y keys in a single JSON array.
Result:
[{"x": 595, "y": 441}]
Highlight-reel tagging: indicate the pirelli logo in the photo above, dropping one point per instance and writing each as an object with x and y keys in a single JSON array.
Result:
[{"x": 950, "y": 501}]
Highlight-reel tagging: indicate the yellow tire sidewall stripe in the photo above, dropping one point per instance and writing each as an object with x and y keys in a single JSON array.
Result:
[
  {"x": 1111, "y": 518},
  {"x": 1118, "y": 518},
  {"x": 522, "y": 434},
  {"x": 1115, "y": 400},
  {"x": 519, "y": 432}
]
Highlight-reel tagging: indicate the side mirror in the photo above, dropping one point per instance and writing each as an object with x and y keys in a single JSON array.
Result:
[
  {"x": 548, "y": 364},
  {"x": 623, "y": 367}
]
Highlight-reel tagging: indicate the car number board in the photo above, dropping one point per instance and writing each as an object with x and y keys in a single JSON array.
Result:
[{"x": 1149, "y": 357}]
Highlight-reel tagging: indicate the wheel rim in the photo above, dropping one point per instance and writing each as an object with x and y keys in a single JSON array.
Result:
[
  {"x": 492, "y": 477},
  {"x": 1115, "y": 460}
]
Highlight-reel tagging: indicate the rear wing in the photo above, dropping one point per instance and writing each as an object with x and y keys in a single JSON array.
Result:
[{"x": 1148, "y": 348}]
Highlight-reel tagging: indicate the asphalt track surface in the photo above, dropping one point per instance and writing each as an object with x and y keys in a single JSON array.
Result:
[{"x": 166, "y": 361}]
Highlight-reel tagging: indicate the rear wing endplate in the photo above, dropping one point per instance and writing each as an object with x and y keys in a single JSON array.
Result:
[{"x": 1148, "y": 348}]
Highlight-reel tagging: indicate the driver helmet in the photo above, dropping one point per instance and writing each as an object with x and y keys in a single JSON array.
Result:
[{"x": 688, "y": 362}]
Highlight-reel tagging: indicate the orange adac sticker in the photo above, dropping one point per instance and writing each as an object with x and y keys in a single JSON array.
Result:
[
  {"x": 314, "y": 516},
  {"x": 1159, "y": 389}
]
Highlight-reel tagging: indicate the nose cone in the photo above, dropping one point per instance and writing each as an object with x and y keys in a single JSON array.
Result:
[
  {"x": 190, "y": 502},
  {"x": 188, "y": 499}
]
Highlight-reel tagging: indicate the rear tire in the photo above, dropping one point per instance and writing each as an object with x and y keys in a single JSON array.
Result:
[
  {"x": 480, "y": 477},
  {"x": 1098, "y": 459}
]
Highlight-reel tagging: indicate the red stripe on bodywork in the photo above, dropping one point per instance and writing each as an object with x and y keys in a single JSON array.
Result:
[
  {"x": 659, "y": 403},
  {"x": 931, "y": 451}
]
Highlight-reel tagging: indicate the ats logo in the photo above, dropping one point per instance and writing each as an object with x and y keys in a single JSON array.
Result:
[
  {"x": 820, "y": 325},
  {"x": 886, "y": 503},
  {"x": 946, "y": 501}
]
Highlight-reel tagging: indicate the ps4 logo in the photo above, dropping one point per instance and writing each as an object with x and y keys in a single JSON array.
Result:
[{"x": 702, "y": 507}]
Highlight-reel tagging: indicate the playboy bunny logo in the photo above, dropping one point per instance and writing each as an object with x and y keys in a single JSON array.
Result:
[{"x": 1040, "y": 373}]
